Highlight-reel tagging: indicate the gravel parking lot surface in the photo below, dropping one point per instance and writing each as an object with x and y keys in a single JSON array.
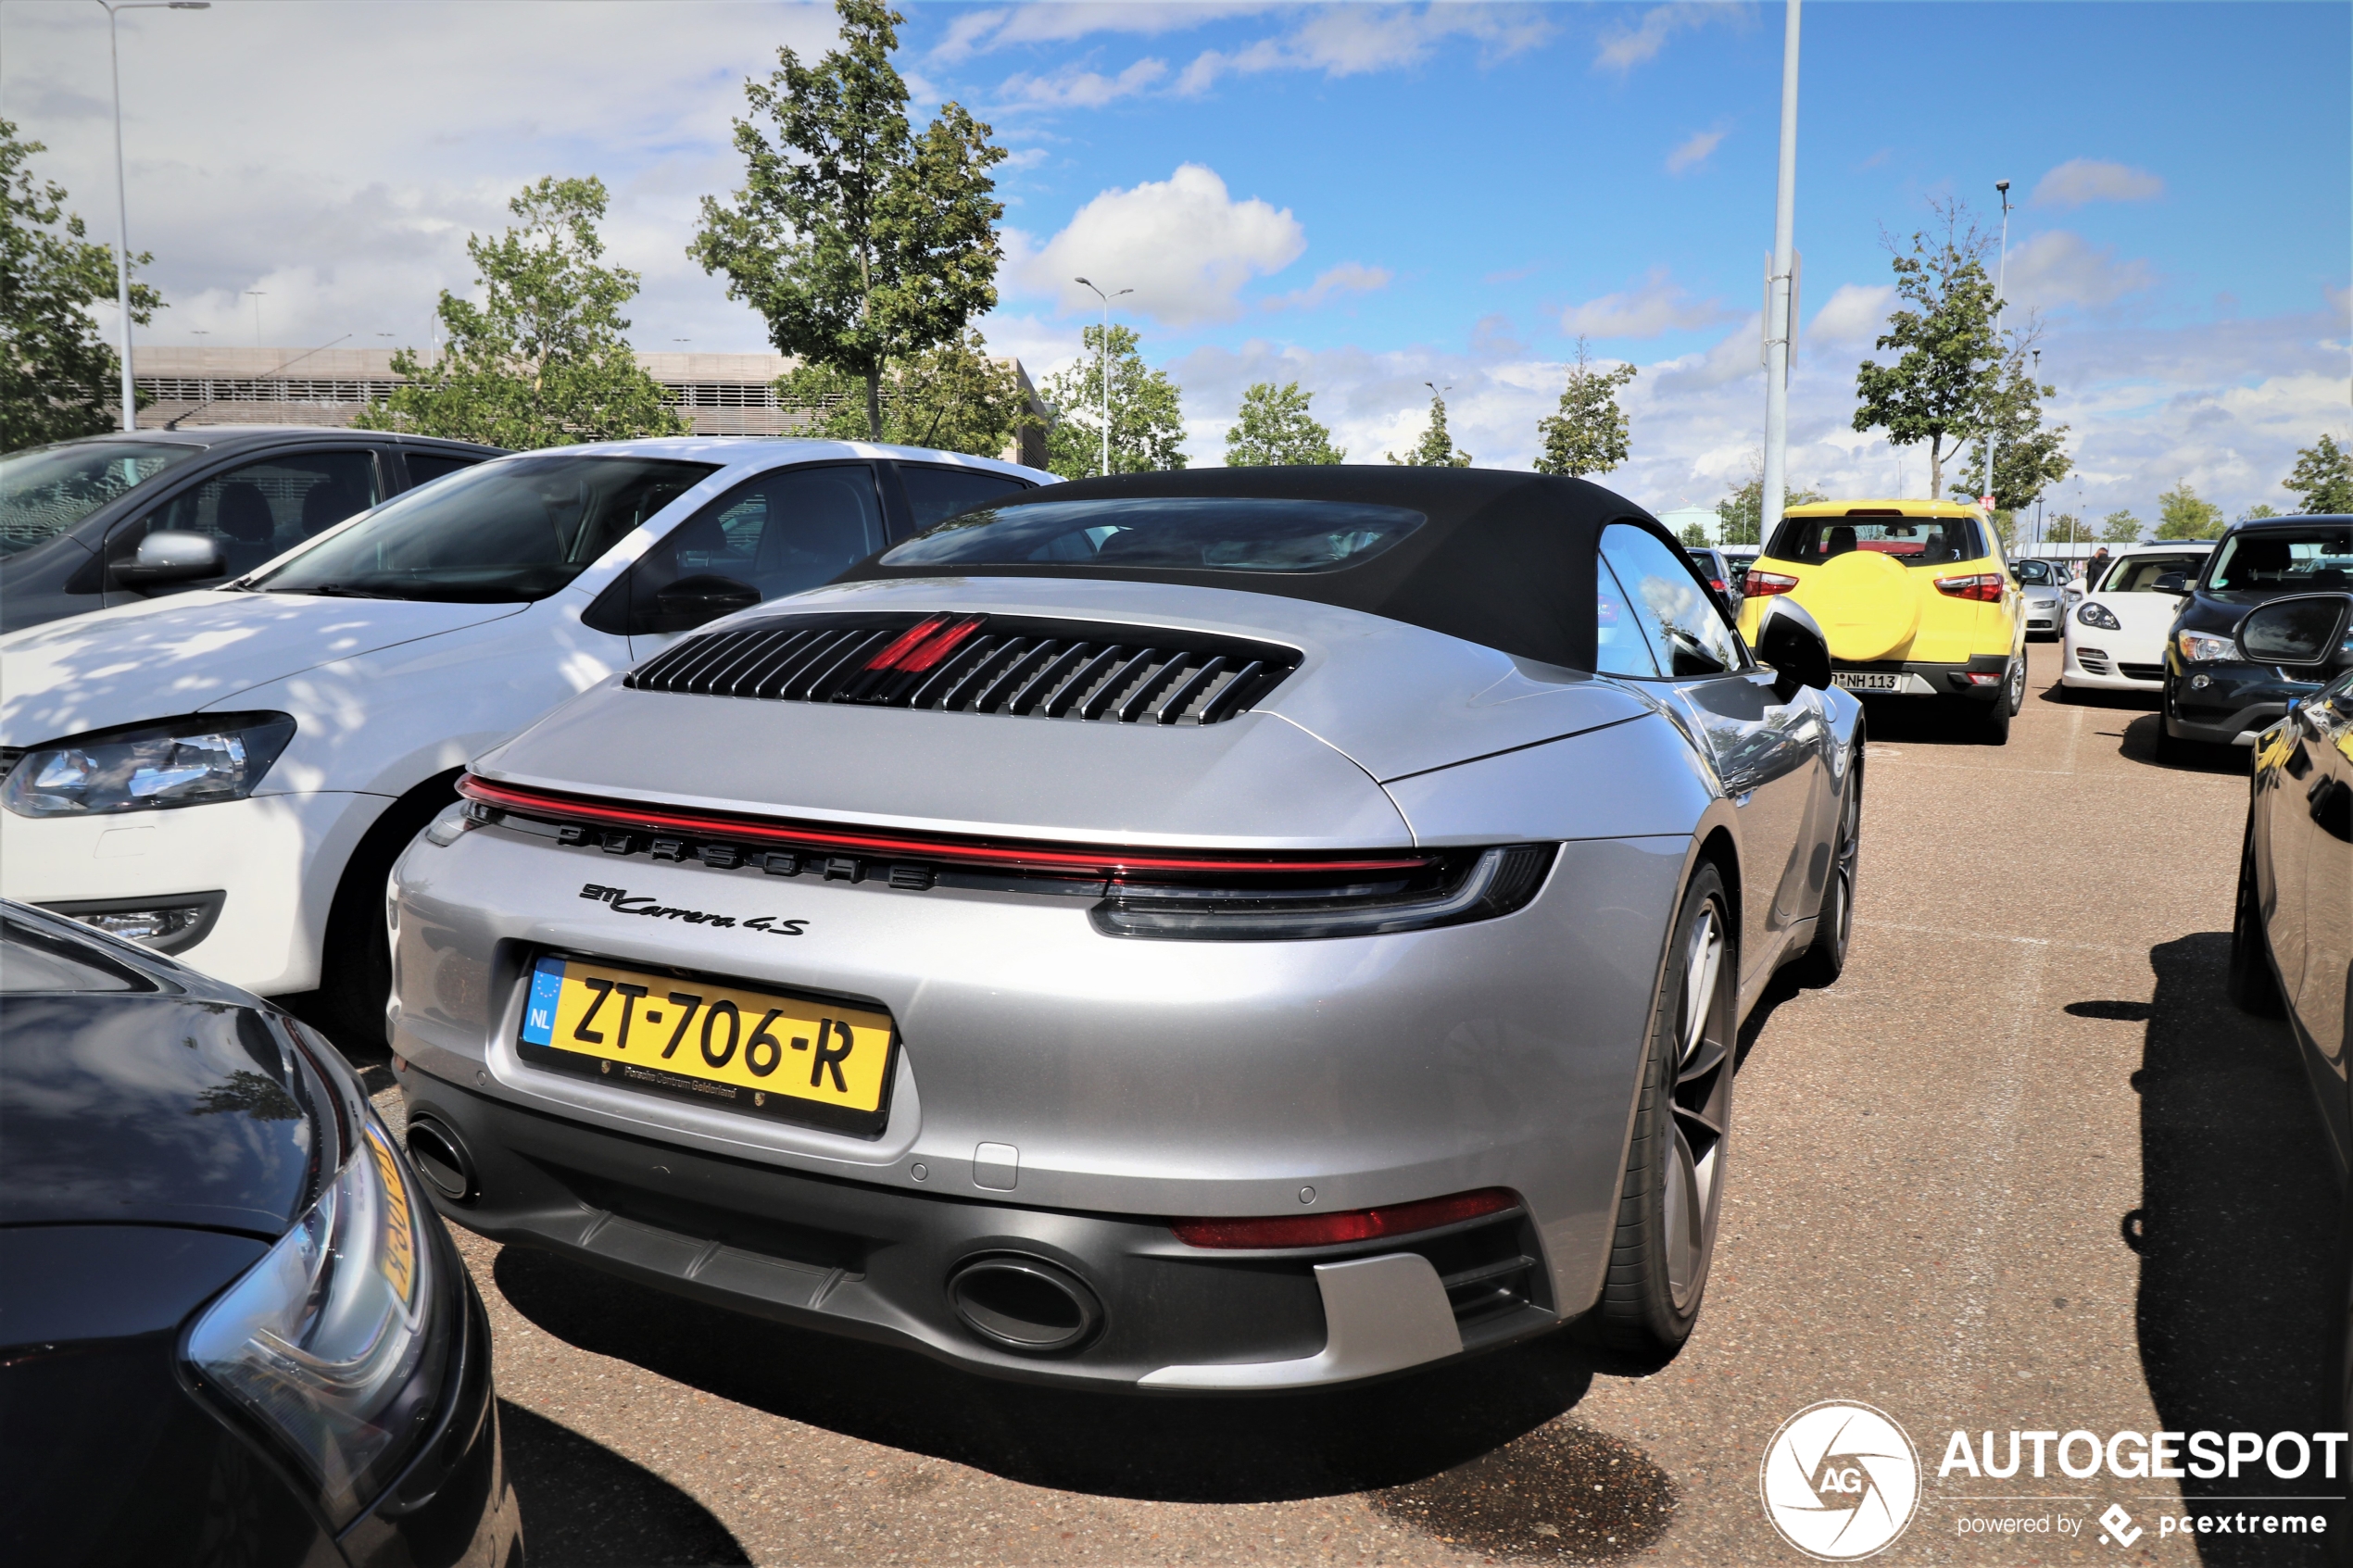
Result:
[{"x": 2023, "y": 1168}]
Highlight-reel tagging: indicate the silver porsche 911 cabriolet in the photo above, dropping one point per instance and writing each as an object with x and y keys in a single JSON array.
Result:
[{"x": 1239, "y": 929}]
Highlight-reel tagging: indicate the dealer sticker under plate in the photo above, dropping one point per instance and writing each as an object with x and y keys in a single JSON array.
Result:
[{"x": 797, "y": 1059}]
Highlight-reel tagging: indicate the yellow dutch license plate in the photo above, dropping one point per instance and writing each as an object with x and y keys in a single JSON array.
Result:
[{"x": 772, "y": 1053}]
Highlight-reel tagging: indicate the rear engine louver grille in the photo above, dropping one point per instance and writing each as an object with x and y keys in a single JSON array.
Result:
[{"x": 977, "y": 664}]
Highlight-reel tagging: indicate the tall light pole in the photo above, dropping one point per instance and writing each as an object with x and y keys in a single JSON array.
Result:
[
  {"x": 2001, "y": 280},
  {"x": 2038, "y": 492},
  {"x": 1102, "y": 361},
  {"x": 1779, "y": 294},
  {"x": 121, "y": 195}
]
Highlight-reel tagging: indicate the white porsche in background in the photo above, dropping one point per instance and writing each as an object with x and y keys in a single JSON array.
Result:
[{"x": 2115, "y": 636}]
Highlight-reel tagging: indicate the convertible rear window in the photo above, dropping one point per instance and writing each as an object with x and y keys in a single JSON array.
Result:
[
  {"x": 1915, "y": 541},
  {"x": 2285, "y": 561},
  {"x": 1223, "y": 535}
]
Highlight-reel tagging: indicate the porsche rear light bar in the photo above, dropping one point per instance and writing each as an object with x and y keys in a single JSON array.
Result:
[
  {"x": 1985, "y": 587},
  {"x": 1760, "y": 584},
  {"x": 1355, "y": 1225},
  {"x": 1008, "y": 855}
]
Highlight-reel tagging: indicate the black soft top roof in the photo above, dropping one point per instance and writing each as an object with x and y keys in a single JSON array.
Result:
[{"x": 1506, "y": 561}]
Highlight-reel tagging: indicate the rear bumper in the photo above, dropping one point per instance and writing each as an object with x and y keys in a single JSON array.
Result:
[
  {"x": 873, "y": 1263},
  {"x": 1930, "y": 679}
]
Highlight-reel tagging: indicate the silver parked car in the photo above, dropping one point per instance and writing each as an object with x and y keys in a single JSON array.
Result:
[
  {"x": 1236, "y": 929},
  {"x": 2042, "y": 584}
]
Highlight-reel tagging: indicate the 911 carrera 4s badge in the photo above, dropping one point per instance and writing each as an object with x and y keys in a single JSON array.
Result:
[
  {"x": 622, "y": 902},
  {"x": 772, "y": 1053}
]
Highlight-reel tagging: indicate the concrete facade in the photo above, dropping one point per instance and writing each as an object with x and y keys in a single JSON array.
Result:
[{"x": 721, "y": 394}]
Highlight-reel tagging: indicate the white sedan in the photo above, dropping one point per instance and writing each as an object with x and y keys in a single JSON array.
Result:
[
  {"x": 2116, "y": 632},
  {"x": 228, "y": 775}
]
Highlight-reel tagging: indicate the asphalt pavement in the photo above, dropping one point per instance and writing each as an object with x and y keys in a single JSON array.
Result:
[{"x": 2023, "y": 1168}]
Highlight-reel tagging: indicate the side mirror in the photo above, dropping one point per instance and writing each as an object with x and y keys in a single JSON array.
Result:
[
  {"x": 2305, "y": 630},
  {"x": 2173, "y": 583},
  {"x": 691, "y": 601},
  {"x": 1788, "y": 639},
  {"x": 170, "y": 556}
]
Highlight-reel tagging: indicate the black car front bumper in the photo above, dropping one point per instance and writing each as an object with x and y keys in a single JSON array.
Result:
[
  {"x": 2225, "y": 702},
  {"x": 875, "y": 1263}
]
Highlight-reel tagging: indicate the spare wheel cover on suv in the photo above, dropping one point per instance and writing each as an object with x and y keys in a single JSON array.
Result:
[{"x": 1865, "y": 602}]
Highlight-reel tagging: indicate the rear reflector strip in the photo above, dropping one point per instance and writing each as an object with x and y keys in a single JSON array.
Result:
[
  {"x": 1010, "y": 855},
  {"x": 1356, "y": 1225}
]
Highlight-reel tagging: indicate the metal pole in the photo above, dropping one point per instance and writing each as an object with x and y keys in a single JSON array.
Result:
[
  {"x": 122, "y": 226},
  {"x": 1778, "y": 326},
  {"x": 2001, "y": 281},
  {"x": 1102, "y": 364},
  {"x": 121, "y": 193}
]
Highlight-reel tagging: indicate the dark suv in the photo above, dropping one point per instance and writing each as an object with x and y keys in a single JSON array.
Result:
[
  {"x": 115, "y": 518},
  {"x": 2211, "y": 695}
]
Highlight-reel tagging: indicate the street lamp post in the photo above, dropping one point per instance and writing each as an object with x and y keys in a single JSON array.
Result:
[
  {"x": 1102, "y": 362},
  {"x": 1780, "y": 301},
  {"x": 121, "y": 195},
  {"x": 2038, "y": 490},
  {"x": 2001, "y": 281}
]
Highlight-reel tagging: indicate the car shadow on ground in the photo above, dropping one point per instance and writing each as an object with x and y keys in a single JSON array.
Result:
[
  {"x": 1169, "y": 1448},
  {"x": 2237, "y": 1229},
  {"x": 1921, "y": 721},
  {"x": 584, "y": 1506}
]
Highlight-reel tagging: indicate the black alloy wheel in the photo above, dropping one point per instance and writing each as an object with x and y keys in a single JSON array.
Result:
[
  {"x": 1825, "y": 960},
  {"x": 1673, "y": 1191},
  {"x": 2249, "y": 981}
]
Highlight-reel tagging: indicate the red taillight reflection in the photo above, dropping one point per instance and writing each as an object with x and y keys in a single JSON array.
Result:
[
  {"x": 1763, "y": 582},
  {"x": 1985, "y": 587},
  {"x": 1356, "y": 1225}
]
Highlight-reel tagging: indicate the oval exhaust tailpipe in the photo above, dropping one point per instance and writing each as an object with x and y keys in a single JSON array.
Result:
[
  {"x": 1024, "y": 1303},
  {"x": 440, "y": 1157}
]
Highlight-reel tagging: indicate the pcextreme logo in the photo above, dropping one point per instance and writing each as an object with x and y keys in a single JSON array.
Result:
[{"x": 1840, "y": 1481}]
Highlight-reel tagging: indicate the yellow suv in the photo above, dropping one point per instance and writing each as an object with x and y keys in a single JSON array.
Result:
[{"x": 1914, "y": 598}]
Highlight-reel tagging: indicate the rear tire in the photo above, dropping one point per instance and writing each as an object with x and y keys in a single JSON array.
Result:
[
  {"x": 1673, "y": 1185},
  {"x": 1825, "y": 960},
  {"x": 2249, "y": 981}
]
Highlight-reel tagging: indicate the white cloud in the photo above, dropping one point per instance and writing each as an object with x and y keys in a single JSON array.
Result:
[
  {"x": 1623, "y": 48},
  {"x": 1854, "y": 314},
  {"x": 1694, "y": 150},
  {"x": 2058, "y": 269},
  {"x": 1659, "y": 306},
  {"x": 981, "y": 31},
  {"x": 2082, "y": 180},
  {"x": 1184, "y": 244},
  {"x": 1353, "y": 40},
  {"x": 1074, "y": 88},
  {"x": 1349, "y": 277}
]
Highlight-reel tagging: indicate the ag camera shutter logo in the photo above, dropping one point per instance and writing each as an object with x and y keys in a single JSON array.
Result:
[{"x": 1840, "y": 1481}]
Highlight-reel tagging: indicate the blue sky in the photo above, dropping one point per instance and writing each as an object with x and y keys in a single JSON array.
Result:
[{"x": 1361, "y": 197}]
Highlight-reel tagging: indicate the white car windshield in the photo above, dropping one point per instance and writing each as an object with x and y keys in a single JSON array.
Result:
[
  {"x": 2138, "y": 574},
  {"x": 517, "y": 529},
  {"x": 46, "y": 490}
]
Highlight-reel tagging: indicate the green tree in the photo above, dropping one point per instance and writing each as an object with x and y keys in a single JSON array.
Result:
[
  {"x": 1274, "y": 430},
  {"x": 2120, "y": 527},
  {"x": 2180, "y": 515},
  {"x": 1147, "y": 412},
  {"x": 2068, "y": 529},
  {"x": 2029, "y": 457},
  {"x": 1588, "y": 434},
  {"x": 2258, "y": 511},
  {"x": 1694, "y": 534},
  {"x": 1740, "y": 516},
  {"x": 2322, "y": 478},
  {"x": 957, "y": 397},
  {"x": 1436, "y": 448},
  {"x": 58, "y": 378},
  {"x": 861, "y": 242},
  {"x": 541, "y": 361},
  {"x": 1950, "y": 361}
]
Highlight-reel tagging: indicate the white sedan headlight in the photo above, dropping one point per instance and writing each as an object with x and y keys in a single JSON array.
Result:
[
  {"x": 2099, "y": 614},
  {"x": 191, "y": 762},
  {"x": 2202, "y": 647}
]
